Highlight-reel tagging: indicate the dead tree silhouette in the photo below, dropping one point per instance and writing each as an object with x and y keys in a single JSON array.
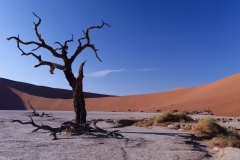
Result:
[{"x": 62, "y": 53}]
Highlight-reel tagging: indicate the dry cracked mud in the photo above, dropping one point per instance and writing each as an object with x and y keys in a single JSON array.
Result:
[{"x": 17, "y": 142}]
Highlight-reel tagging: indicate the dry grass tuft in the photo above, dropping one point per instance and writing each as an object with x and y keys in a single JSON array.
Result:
[
  {"x": 170, "y": 117},
  {"x": 208, "y": 127},
  {"x": 220, "y": 136},
  {"x": 146, "y": 123},
  {"x": 231, "y": 139},
  {"x": 164, "y": 119}
]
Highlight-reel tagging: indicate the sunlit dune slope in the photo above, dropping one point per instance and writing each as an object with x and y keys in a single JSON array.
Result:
[{"x": 222, "y": 97}]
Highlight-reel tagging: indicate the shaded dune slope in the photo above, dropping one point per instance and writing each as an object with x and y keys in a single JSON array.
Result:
[
  {"x": 222, "y": 97},
  {"x": 9, "y": 100},
  {"x": 47, "y": 92},
  {"x": 14, "y": 96},
  {"x": 42, "y": 103}
]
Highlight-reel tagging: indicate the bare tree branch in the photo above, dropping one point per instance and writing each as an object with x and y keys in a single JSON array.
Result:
[
  {"x": 52, "y": 66},
  {"x": 81, "y": 48},
  {"x": 36, "y": 48},
  {"x": 36, "y": 28},
  {"x": 64, "y": 47},
  {"x": 41, "y": 62},
  {"x": 32, "y": 122},
  {"x": 92, "y": 27},
  {"x": 44, "y": 45},
  {"x": 44, "y": 127},
  {"x": 26, "y": 54},
  {"x": 95, "y": 51},
  {"x": 65, "y": 44},
  {"x": 31, "y": 107},
  {"x": 79, "y": 42},
  {"x": 25, "y": 43},
  {"x": 39, "y": 45},
  {"x": 60, "y": 45}
]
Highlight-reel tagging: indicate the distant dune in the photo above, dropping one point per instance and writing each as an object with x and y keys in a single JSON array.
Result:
[
  {"x": 14, "y": 95},
  {"x": 222, "y": 97}
]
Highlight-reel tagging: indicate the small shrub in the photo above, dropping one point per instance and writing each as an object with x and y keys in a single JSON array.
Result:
[
  {"x": 165, "y": 119},
  {"x": 146, "y": 123},
  {"x": 220, "y": 136},
  {"x": 225, "y": 141},
  {"x": 208, "y": 127},
  {"x": 183, "y": 117},
  {"x": 170, "y": 117}
]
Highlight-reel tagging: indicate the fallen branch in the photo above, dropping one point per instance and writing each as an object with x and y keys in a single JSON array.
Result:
[
  {"x": 34, "y": 113},
  {"x": 72, "y": 127},
  {"x": 44, "y": 127},
  {"x": 46, "y": 115}
]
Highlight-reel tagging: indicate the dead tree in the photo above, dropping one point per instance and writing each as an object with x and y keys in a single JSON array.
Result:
[{"x": 61, "y": 52}]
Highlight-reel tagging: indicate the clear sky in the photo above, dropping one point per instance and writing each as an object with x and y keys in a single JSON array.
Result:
[{"x": 151, "y": 46}]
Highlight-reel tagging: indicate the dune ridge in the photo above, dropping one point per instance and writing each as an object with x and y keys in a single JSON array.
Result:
[
  {"x": 14, "y": 96},
  {"x": 222, "y": 97}
]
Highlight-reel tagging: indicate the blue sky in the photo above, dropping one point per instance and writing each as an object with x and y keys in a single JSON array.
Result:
[{"x": 150, "y": 47}]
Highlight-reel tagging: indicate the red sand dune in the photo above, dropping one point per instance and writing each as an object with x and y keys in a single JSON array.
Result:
[{"x": 222, "y": 97}]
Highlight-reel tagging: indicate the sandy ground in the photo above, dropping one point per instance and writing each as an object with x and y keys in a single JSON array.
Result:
[{"x": 17, "y": 141}]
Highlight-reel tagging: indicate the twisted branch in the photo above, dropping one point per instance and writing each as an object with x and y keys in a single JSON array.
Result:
[
  {"x": 59, "y": 44},
  {"x": 44, "y": 127},
  {"x": 67, "y": 41},
  {"x": 64, "y": 47},
  {"x": 81, "y": 48},
  {"x": 36, "y": 28},
  {"x": 41, "y": 62},
  {"x": 92, "y": 27},
  {"x": 39, "y": 45}
]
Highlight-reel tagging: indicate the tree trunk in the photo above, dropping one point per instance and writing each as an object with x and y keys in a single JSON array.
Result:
[{"x": 78, "y": 97}]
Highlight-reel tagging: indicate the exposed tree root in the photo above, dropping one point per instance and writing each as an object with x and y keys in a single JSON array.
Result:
[
  {"x": 34, "y": 113},
  {"x": 72, "y": 127}
]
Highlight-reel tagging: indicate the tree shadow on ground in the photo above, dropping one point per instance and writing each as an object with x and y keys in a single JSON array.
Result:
[{"x": 190, "y": 139}]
